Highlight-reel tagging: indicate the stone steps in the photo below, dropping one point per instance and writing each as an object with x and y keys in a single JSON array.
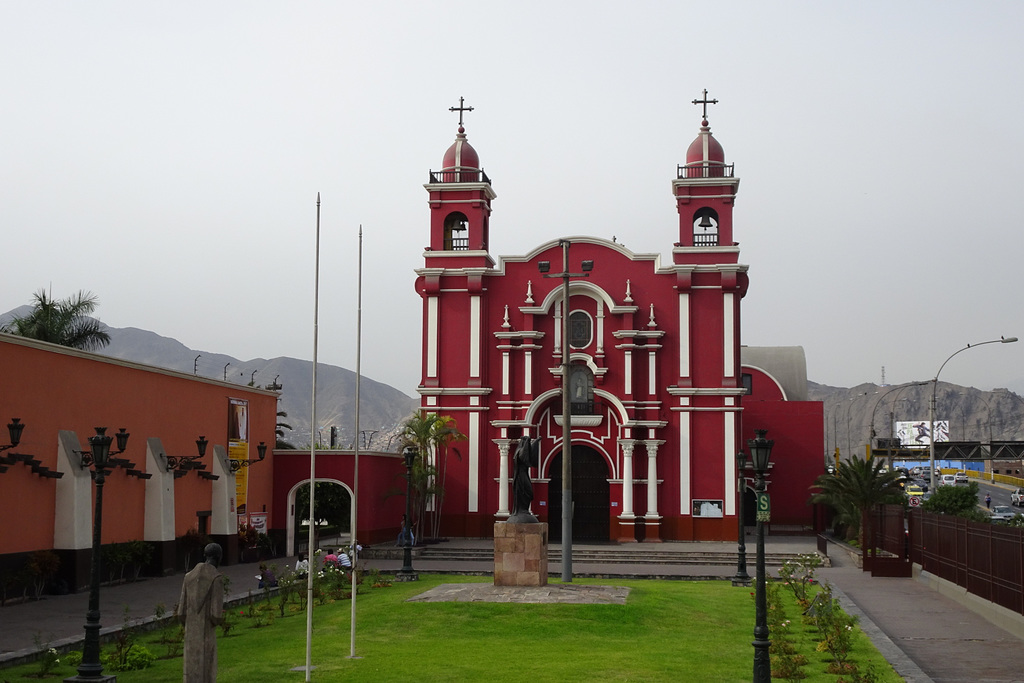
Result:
[{"x": 610, "y": 556}]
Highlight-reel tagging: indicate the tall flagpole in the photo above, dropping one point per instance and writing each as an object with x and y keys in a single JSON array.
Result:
[
  {"x": 312, "y": 457},
  {"x": 355, "y": 477}
]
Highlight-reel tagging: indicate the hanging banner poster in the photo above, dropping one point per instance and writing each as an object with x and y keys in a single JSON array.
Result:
[
  {"x": 258, "y": 522},
  {"x": 238, "y": 449}
]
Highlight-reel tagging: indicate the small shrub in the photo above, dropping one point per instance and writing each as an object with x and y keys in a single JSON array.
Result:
[
  {"x": 42, "y": 566},
  {"x": 49, "y": 658},
  {"x": 136, "y": 658},
  {"x": 798, "y": 576},
  {"x": 836, "y": 629}
]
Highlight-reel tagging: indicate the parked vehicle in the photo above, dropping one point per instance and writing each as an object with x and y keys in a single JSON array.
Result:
[
  {"x": 1001, "y": 514},
  {"x": 1017, "y": 497}
]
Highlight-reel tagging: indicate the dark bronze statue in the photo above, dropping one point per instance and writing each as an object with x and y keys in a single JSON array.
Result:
[{"x": 527, "y": 456}]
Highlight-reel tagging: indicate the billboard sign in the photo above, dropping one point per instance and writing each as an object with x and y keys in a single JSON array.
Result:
[{"x": 917, "y": 434}]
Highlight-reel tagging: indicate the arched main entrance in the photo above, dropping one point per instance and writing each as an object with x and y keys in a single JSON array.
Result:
[{"x": 590, "y": 497}]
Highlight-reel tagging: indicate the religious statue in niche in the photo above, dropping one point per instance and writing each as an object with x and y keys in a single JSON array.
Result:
[
  {"x": 201, "y": 610},
  {"x": 527, "y": 455}
]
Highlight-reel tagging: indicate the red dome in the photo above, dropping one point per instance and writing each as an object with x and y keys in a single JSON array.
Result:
[
  {"x": 461, "y": 154},
  {"x": 705, "y": 148}
]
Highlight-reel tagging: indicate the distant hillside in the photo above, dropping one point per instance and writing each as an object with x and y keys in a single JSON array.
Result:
[
  {"x": 973, "y": 414},
  {"x": 382, "y": 408}
]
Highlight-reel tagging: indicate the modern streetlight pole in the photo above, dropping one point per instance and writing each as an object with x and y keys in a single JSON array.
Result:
[
  {"x": 931, "y": 404},
  {"x": 760, "y": 455},
  {"x": 544, "y": 267},
  {"x": 90, "y": 668}
]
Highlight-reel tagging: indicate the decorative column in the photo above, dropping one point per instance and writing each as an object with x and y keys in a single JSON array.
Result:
[
  {"x": 652, "y": 519},
  {"x": 627, "y": 531},
  {"x": 503, "y": 482}
]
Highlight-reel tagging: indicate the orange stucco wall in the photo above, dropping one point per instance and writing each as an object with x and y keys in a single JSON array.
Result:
[{"x": 52, "y": 388}]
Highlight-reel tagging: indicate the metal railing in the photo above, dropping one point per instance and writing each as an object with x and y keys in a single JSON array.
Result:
[
  {"x": 705, "y": 240},
  {"x": 456, "y": 244},
  {"x": 461, "y": 174},
  {"x": 704, "y": 169}
]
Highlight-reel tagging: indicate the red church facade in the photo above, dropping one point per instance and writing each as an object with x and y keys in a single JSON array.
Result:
[{"x": 660, "y": 398}]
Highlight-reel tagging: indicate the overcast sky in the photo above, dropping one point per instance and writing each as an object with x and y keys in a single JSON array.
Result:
[{"x": 167, "y": 157}]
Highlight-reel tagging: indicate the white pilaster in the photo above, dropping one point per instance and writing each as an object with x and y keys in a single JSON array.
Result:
[
  {"x": 684, "y": 463},
  {"x": 72, "y": 524},
  {"x": 223, "y": 516},
  {"x": 503, "y": 482},
  {"x": 627, "y": 478},
  {"x": 474, "y": 457},
  {"x": 627, "y": 373},
  {"x": 652, "y": 478},
  {"x": 684, "y": 334},
  {"x": 431, "y": 336},
  {"x": 729, "y": 335},
  {"x": 730, "y": 458},
  {"x": 474, "y": 335},
  {"x": 505, "y": 369},
  {"x": 158, "y": 520}
]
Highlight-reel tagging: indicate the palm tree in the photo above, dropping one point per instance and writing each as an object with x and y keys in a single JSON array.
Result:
[
  {"x": 430, "y": 434},
  {"x": 65, "y": 322},
  {"x": 856, "y": 487}
]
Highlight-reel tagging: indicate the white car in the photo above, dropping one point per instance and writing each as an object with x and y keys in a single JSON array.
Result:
[
  {"x": 961, "y": 477},
  {"x": 1001, "y": 514},
  {"x": 1017, "y": 497},
  {"x": 948, "y": 480}
]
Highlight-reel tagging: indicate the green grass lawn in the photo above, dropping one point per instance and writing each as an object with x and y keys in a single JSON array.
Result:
[{"x": 667, "y": 631}]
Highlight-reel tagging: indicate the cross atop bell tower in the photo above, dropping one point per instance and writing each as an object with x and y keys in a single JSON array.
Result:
[
  {"x": 462, "y": 109},
  {"x": 704, "y": 101}
]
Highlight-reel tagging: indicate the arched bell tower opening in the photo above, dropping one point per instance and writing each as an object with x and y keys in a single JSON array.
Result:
[
  {"x": 456, "y": 232},
  {"x": 705, "y": 228}
]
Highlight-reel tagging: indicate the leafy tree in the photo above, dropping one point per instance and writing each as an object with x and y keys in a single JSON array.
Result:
[
  {"x": 431, "y": 435},
  {"x": 62, "y": 321},
  {"x": 332, "y": 504},
  {"x": 958, "y": 501},
  {"x": 856, "y": 487}
]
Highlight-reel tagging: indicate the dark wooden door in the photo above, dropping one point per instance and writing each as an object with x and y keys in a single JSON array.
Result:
[{"x": 590, "y": 497}]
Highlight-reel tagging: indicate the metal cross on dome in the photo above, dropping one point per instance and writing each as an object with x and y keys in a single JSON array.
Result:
[
  {"x": 705, "y": 102},
  {"x": 461, "y": 108}
]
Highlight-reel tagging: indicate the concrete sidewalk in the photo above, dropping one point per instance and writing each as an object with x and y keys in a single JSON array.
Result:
[{"x": 925, "y": 635}]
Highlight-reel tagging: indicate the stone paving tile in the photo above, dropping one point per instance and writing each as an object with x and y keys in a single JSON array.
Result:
[{"x": 555, "y": 593}]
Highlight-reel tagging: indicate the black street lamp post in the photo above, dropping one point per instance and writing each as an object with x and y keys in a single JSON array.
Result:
[
  {"x": 742, "y": 578},
  {"x": 407, "y": 573},
  {"x": 90, "y": 669},
  {"x": 760, "y": 454}
]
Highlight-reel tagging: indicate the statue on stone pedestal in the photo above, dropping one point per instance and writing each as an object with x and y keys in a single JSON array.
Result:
[
  {"x": 201, "y": 610},
  {"x": 527, "y": 455}
]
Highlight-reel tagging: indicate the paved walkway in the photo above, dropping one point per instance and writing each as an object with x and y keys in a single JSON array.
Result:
[{"x": 924, "y": 635}]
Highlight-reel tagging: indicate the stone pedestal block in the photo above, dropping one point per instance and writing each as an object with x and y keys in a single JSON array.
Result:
[{"x": 520, "y": 554}]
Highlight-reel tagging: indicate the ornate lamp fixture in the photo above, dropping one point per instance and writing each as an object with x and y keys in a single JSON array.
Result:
[
  {"x": 238, "y": 463},
  {"x": 181, "y": 465},
  {"x": 15, "y": 428}
]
